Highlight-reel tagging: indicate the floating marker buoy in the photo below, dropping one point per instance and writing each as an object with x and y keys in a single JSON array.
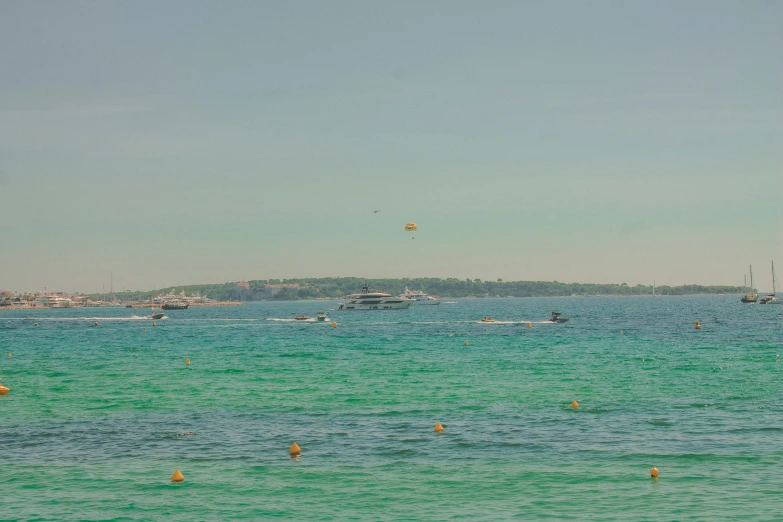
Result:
[
  {"x": 438, "y": 427},
  {"x": 36, "y": 324},
  {"x": 9, "y": 354},
  {"x": 154, "y": 323},
  {"x": 467, "y": 342},
  {"x": 529, "y": 325},
  {"x": 621, "y": 332},
  {"x": 574, "y": 404},
  {"x": 177, "y": 476},
  {"x": 698, "y": 325},
  {"x": 4, "y": 390},
  {"x": 187, "y": 361},
  {"x": 96, "y": 323},
  {"x": 654, "y": 472},
  {"x": 294, "y": 450},
  {"x": 334, "y": 325}
]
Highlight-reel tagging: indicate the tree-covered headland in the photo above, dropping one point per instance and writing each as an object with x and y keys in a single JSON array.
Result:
[{"x": 336, "y": 287}]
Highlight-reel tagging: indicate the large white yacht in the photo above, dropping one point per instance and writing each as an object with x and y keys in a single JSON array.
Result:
[
  {"x": 53, "y": 301},
  {"x": 366, "y": 300},
  {"x": 420, "y": 297}
]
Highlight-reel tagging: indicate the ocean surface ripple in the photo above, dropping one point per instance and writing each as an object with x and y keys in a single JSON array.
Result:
[{"x": 98, "y": 418}]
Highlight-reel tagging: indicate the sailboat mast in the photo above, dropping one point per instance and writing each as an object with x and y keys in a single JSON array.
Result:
[
  {"x": 751, "y": 278},
  {"x": 773, "y": 278}
]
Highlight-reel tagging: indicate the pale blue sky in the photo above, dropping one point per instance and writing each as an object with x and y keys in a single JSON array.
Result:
[{"x": 182, "y": 142}]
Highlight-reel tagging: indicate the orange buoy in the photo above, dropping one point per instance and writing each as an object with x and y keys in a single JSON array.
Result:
[
  {"x": 467, "y": 342},
  {"x": 4, "y": 390},
  {"x": 438, "y": 427},
  {"x": 187, "y": 361},
  {"x": 9, "y": 354},
  {"x": 698, "y": 325},
  {"x": 529, "y": 325},
  {"x": 334, "y": 325},
  {"x": 574, "y": 404},
  {"x": 177, "y": 476},
  {"x": 654, "y": 472},
  {"x": 294, "y": 450}
]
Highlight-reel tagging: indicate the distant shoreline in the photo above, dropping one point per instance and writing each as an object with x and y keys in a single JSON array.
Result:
[{"x": 466, "y": 298}]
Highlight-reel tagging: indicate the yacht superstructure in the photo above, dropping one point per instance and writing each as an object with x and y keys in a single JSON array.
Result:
[
  {"x": 367, "y": 300},
  {"x": 420, "y": 297}
]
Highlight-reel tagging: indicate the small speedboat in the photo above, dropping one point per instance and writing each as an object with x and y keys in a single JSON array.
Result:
[
  {"x": 321, "y": 316},
  {"x": 301, "y": 318},
  {"x": 488, "y": 320},
  {"x": 158, "y": 315},
  {"x": 556, "y": 318}
]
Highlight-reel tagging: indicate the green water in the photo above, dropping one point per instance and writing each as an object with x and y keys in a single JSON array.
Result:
[{"x": 90, "y": 427}]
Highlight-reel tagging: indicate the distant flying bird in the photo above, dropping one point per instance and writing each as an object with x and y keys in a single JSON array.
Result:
[{"x": 376, "y": 211}]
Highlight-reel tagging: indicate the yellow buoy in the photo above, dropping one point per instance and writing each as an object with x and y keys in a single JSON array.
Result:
[
  {"x": 411, "y": 227},
  {"x": 529, "y": 325},
  {"x": 4, "y": 390},
  {"x": 294, "y": 450},
  {"x": 154, "y": 323},
  {"x": 187, "y": 361},
  {"x": 654, "y": 472},
  {"x": 698, "y": 325},
  {"x": 467, "y": 342},
  {"x": 177, "y": 476},
  {"x": 334, "y": 325},
  {"x": 9, "y": 354},
  {"x": 574, "y": 404},
  {"x": 621, "y": 332},
  {"x": 438, "y": 427}
]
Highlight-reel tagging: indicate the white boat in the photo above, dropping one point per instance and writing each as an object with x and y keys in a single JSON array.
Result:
[
  {"x": 770, "y": 298},
  {"x": 420, "y": 297},
  {"x": 751, "y": 297},
  {"x": 366, "y": 300},
  {"x": 53, "y": 301}
]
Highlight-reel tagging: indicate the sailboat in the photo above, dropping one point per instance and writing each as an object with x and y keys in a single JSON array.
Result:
[
  {"x": 770, "y": 298},
  {"x": 653, "y": 288},
  {"x": 750, "y": 297}
]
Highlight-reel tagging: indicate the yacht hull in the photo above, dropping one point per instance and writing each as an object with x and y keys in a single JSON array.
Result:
[{"x": 395, "y": 304}]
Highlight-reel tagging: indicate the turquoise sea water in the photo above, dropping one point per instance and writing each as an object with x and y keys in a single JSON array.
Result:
[{"x": 90, "y": 427}]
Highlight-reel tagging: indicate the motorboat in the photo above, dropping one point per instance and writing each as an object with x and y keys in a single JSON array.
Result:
[
  {"x": 301, "y": 318},
  {"x": 157, "y": 315},
  {"x": 488, "y": 320},
  {"x": 321, "y": 316},
  {"x": 367, "y": 300},
  {"x": 419, "y": 297},
  {"x": 175, "y": 305},
  {"x": 557, "y": 318}
]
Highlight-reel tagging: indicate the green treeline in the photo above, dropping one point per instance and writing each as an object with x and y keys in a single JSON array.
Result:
[{"x": 335, "y": 287}]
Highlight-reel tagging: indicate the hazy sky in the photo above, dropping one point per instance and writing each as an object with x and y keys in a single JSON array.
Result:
[{"x": 177, "y": 142}]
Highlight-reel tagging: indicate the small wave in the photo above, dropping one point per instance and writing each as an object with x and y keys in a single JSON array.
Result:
[
  {"x": 286, "y": 320},
  {"x": 131, "y": 318}
]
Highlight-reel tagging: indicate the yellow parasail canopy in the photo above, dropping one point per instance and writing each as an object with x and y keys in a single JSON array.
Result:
[{"x": 411, "y": 227}]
